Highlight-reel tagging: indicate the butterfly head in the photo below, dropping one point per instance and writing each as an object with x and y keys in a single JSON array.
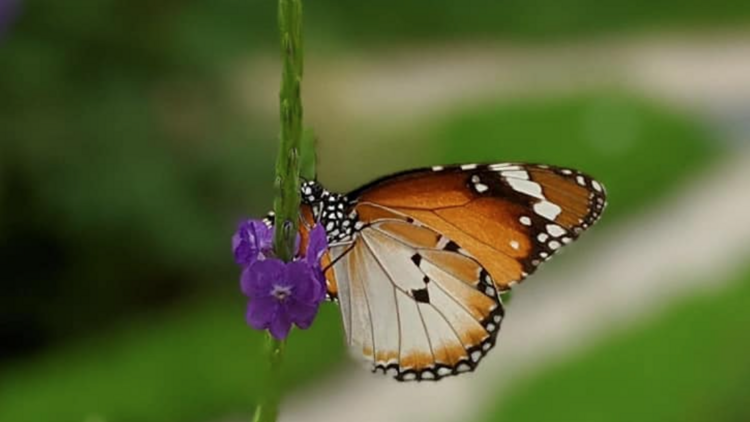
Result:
[
  {"x": 312, "y": 192},
  {"x": 330, "y": 209}
]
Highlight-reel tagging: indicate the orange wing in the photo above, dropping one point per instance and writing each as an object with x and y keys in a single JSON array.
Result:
[{"x": 509, "y": 217}]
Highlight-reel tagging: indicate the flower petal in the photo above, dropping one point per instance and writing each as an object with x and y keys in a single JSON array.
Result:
[
  {"x": 302, "y": 313},
  {"x": 306, "y": 287},
  {"x": 258, "y": 279},
  {"x": 261, "y": 312},
  {"x": 281, "y": 324},
  {"x": 317, "y": 245},
  {"x": 252, "y": 241}
]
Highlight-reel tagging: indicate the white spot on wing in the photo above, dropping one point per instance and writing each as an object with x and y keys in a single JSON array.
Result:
[
  {"x": 468, "y": 167},
  {"x": 555, "y": 230},
  {"x": 526, "y": 187},
  {"x": 526, "y": 221},
  {"x": 515, "y": 245},
  {"x": 518, "y": 174},
  {"x": 597, "y": 186},
  {"x": 438, "y": 168},
  {"x": 547, "y": 210},
  {"x": 503, "y": 167},
  {"x": 481, "y": 187},
  {"x": 443, "y": 371}
]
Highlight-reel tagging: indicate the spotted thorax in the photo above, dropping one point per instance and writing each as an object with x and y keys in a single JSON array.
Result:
[{"x": 329, "y": 209}]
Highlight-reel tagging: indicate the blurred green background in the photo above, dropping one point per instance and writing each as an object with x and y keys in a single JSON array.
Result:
[{"x": 134, "y": 135}]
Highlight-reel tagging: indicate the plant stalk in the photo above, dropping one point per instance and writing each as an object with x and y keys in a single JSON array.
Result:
[{"x": 288, "y": 164}]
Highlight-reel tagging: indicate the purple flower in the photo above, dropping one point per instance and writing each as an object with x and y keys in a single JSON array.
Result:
[
  {"x": 8, "y": 12},
  {"x": 252, "y": 242},
  {"x": 281, "y": 294},
  {"x": 317, "y": 245}
]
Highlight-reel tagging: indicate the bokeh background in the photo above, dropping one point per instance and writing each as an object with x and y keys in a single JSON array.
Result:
[{"x": 135, "y": 134}]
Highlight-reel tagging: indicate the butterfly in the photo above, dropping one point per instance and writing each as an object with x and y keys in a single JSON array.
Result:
[{"x": 418, "y": 260}]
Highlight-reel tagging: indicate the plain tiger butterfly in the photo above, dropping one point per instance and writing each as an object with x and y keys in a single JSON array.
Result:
[{"x": 418, "y": 260}]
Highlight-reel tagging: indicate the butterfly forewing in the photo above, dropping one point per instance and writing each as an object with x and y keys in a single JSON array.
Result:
[{"x": 509, "y": 217}]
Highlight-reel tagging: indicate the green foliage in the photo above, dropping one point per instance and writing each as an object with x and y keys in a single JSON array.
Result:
[
  {"x": 549, "y": 20},
  {"x": 125, "y": 162},
  {"x": 196, "y": 363},
  {"x": 638, "y": 149},
  {"x": 687, "y": 365}
]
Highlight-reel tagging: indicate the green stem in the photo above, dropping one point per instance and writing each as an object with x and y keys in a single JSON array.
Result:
[
  {"x": 268, "y": 408},
  {"x": 287, "y": 202}
]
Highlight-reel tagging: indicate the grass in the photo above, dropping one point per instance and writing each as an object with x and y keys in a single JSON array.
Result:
[
  {"x": 191, "y": 364},
  {"x": 688, "y": 365}
]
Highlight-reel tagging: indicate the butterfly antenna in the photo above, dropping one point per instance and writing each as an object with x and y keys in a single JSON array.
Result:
[{"x": 327, "y": 267}]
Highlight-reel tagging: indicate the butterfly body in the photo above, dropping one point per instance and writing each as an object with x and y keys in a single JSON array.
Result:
[
  {"x": 418, "y": 260},
  {"x": 332, "y": 210}
]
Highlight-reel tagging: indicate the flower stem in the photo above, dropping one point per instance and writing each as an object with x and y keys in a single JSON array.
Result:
[
  {"x": 288, "y": 163},
  {"x": 268, "y": 408}
]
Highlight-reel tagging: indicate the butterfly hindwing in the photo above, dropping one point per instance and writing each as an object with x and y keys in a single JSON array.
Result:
[{"x": 414, "y": 309}]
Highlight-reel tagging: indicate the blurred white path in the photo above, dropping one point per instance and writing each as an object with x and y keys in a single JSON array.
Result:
[{"x": 706, "y": 73}]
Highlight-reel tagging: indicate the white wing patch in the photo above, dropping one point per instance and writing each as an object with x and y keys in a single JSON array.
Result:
[{"x": 416, "y": 313}]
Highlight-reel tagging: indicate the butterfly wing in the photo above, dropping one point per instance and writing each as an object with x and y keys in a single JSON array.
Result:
[
  {"x": 508, "y": 217},
  {"x": 418, "y": 282},
  {"x": 414, "y": 309}
]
